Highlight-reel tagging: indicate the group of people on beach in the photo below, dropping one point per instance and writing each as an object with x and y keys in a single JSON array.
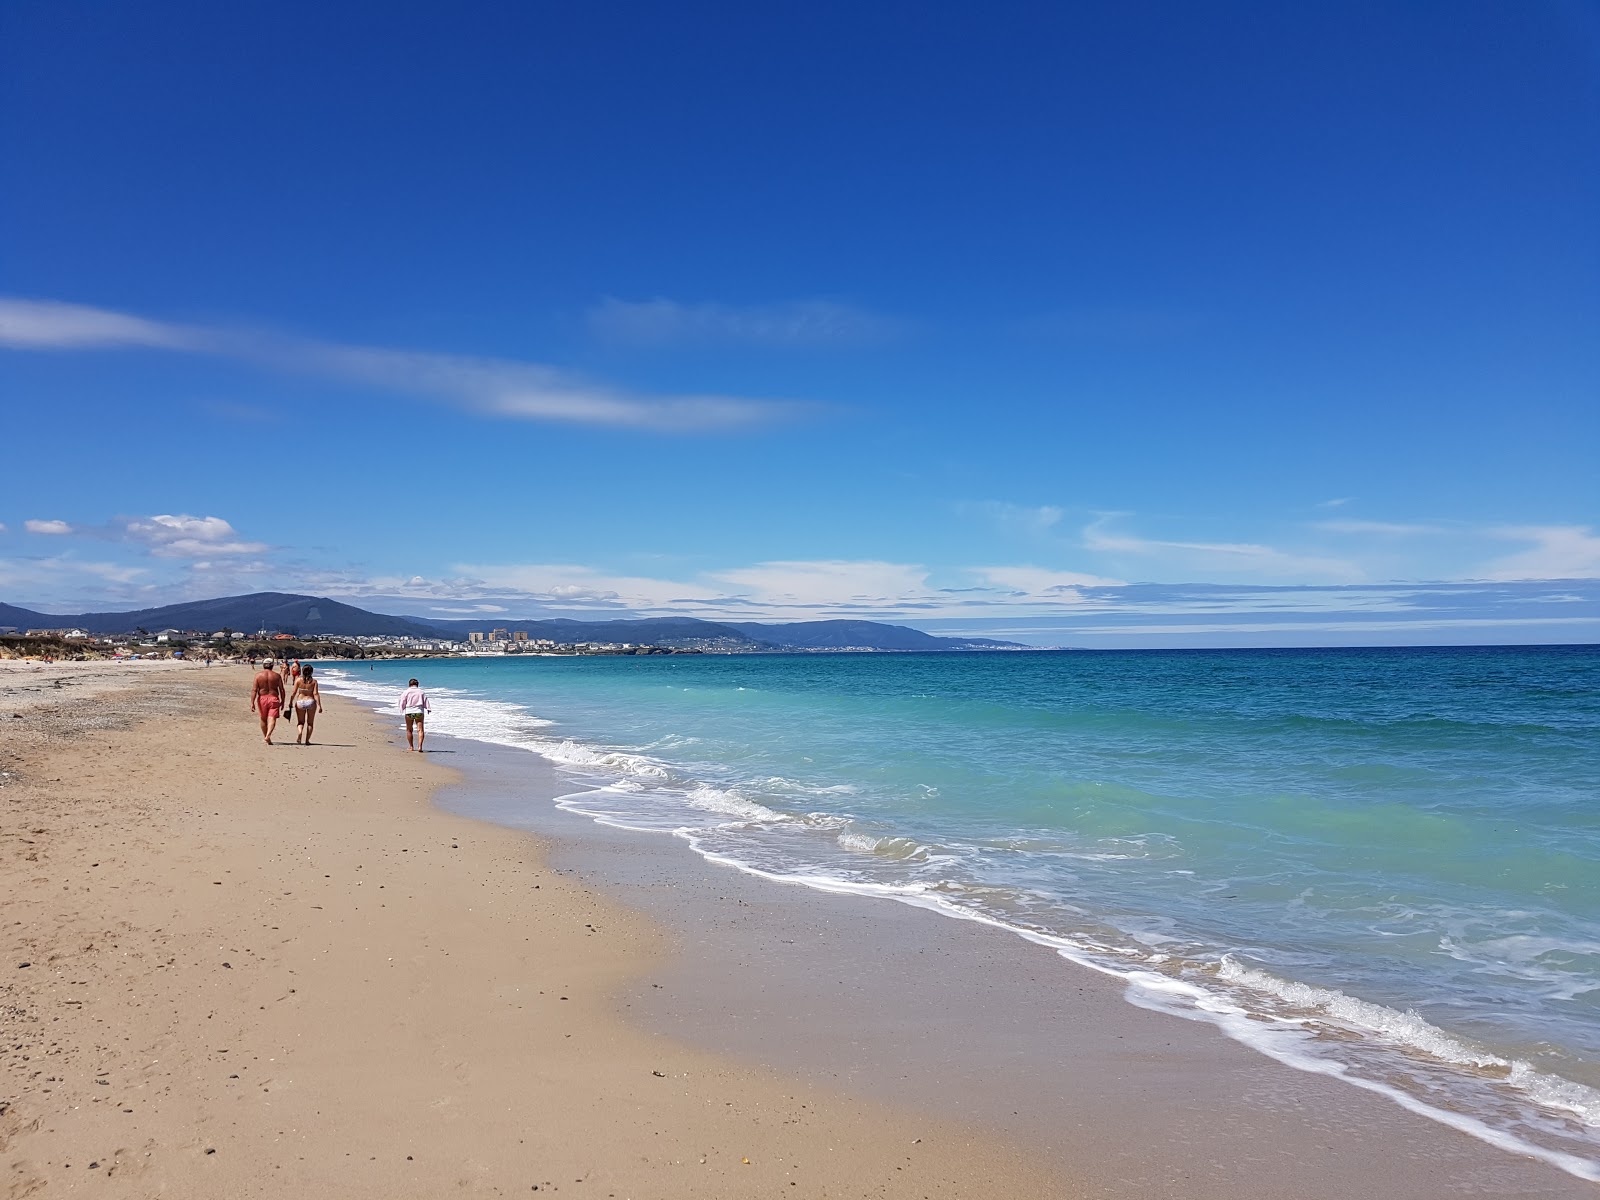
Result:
[{"x": 270, "y": 694}]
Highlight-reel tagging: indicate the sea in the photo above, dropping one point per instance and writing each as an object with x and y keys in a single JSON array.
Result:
[{"x": 1381, "y": 865}]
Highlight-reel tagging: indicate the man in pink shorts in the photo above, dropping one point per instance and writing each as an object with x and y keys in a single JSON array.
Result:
[{"x": 266, "y": 699}]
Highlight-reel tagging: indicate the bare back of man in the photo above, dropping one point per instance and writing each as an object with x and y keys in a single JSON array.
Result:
[{"x": 267, "y": 699}]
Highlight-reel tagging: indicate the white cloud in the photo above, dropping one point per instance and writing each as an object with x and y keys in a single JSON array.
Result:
[
  {"x": 1042, "y": 583},
  {"x": 801, "y": 323},
  {"x": 1558, "y": 552},
  {"x": 1247, "y": 558},
  {"x": 496, "y": 387},
  {"x": 779, "y": 590},
  {"x": 182, "y": 536},
  {"x": 1381, "y": 528},
  {"x": 1338, "y": 502},
  {"x": 773, "y": 590},
  {"x": 493, "y": 387},
  {"x": 571, "y": 585},
  {"x": 23, "y": 578},
  {"x": 52, "y": 528},
  {"x": 829, "y": 582},
  {"x": 49, "y": 324}
]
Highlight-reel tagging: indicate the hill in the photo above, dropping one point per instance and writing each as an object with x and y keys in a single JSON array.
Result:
[
  {"x": 304, "y": 615},
  {"x": 677, "y": 632},
  {"x": 853, "y": 635},
  {"x": 309, "y": 616},
  {"x": 26, "y": 618}
]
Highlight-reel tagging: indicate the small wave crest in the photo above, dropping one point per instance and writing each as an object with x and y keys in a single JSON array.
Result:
[
  {"x": 902, "y": 848},
  {"x": 1412, "y": 1033},
  {"x": 726, "y": 801}
]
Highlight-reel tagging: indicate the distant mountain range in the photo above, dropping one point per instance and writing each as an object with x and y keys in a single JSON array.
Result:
[
  {"x": 314, "y": 615},
  {"x": 261, "y": 610}
]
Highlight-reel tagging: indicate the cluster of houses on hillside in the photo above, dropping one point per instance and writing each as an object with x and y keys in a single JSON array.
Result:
[
  {"x": 517, "y": 641},
  {"x": 496, "y": 641},
  {"x": 222, "y": 639},
  {"x": 500, "y": 641}
]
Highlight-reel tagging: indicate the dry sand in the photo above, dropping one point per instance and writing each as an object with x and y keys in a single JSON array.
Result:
[{"x": 232, "y": 970}]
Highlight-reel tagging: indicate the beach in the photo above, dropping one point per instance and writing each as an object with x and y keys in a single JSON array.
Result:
[
  {"x": 239, "y": 971},
  {"x": 249, "y": 971}
]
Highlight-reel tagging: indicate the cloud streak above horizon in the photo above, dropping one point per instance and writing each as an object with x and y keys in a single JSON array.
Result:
[{"x": 491, "y": 387}]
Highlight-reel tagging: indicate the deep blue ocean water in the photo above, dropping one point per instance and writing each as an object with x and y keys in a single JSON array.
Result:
[{"x": 1383, "y": 864}]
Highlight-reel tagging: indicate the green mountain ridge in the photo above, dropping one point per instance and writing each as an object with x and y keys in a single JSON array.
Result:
[{"x": 311, "y": 616}]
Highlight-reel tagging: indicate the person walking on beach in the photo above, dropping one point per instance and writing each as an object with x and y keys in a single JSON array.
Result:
[
  {"x": 307, "y": 701},
  {"x": 414, "y": 703},
  {"x": 266, "y": 699}
]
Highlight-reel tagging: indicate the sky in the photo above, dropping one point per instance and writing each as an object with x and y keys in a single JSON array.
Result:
[{"x": 1091, "y": 324}]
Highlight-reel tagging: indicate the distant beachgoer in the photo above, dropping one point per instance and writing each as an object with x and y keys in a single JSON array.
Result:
[
  {"x": 307, "y": 700},
  {"x": 266, "y": 699},
  {"x": 414, "y": 703}
]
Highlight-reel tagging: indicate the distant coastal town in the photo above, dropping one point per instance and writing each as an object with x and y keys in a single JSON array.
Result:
[{"x": 70, "y": 644}]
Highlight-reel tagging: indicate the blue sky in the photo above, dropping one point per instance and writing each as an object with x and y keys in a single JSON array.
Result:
[{"x": 1096, "y": 324}]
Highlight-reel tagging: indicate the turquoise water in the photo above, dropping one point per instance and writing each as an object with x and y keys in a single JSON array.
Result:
[{"x": 1382, "y": 864}]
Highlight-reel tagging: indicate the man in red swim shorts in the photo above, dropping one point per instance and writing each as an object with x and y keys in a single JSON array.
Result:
[{"x": 266, "y": 699}]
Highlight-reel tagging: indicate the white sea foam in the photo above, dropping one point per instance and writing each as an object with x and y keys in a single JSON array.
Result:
[
  {"x": 569, "y": 753},
  {"x": 1405, "y": 1029},
  {"x": 722, "y": 800},
  {"x": 902, "y": 848}
]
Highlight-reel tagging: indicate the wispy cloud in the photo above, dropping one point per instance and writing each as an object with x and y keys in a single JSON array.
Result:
[
  {"x": 188, "y": 557},
  {"x": 775, "y": 590},
  {"x": 1337, "y": 502},
  {"x": 830, "y": 583},
  {"x": 1379, "y": 528},
  {"x": 1357, "y": 632},
  {"x": 52, "y": 325},
  {"x": 663, "y": 322},
  {"x": 1558, "y": 552},
  {"x": 1041, "y": 583},
  {"x": 50, "y": 528},
  {"x": 569, "y": 585},
  {"x": 779, "y": 590},
  {"x": 1017, "y": 519},
  {"x": 1247, "y": 557},
  {"x": 25, "y": 579},
  {"x": 488, "y": 386}
]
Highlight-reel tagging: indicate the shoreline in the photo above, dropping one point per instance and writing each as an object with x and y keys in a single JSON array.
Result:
[
  {"x": 1271, "y": 1124},
  {"x": 285, "y": 971}
]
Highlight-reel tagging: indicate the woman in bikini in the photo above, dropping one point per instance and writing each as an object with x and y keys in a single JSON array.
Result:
[{"x": 307, "y": 701}]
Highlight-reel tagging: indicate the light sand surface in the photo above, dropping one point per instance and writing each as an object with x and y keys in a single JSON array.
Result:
[
  {"x": 231, "y": 970},
  {"x": 28, "y": 683}
]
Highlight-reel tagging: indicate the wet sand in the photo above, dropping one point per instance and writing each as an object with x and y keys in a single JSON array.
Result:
[
  {"x": 234, "y": 970},
  {"x": 971, "y": 1023}
]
